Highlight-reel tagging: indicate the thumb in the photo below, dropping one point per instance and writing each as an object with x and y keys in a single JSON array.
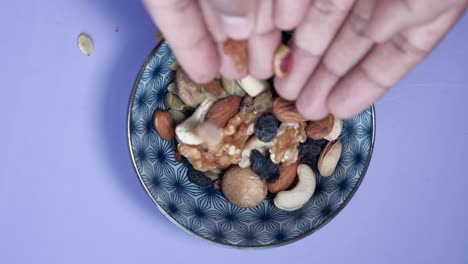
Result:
[
  {"x": 391, "y": 17},
  {"x": 237, "y": 17}
]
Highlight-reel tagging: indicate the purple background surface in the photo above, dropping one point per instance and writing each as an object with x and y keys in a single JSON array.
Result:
[{"x": 68, "y": 192}]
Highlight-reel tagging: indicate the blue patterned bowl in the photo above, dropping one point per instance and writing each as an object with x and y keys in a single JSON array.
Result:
[{"x": 205, "y": 212}]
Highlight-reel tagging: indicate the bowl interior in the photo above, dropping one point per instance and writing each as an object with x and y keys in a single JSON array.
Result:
[{"x": 205, "y": 212}]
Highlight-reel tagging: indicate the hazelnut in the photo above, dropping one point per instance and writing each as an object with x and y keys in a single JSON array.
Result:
[{"x": 244, "y": 188}]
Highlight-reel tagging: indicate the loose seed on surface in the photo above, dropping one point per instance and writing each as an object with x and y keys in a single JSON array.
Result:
[{"x": 85, "y": 43}]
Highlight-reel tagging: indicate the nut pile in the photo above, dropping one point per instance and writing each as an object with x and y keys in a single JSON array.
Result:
[{"x": 241, "y": 137}]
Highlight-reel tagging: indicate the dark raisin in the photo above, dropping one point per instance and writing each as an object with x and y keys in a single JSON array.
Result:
[
  {"x": 259, "y": 164},
  {"x": 266, "y": 127},
  {"x": 311, "y": 161},
  {"x": 309, "y": 148},
  {"x": 198, "y": 178},
  {"x": 256, "y": 156},
  {"x": 264, "y": 167},
  {"x": 273, "y": 171},
  {"x": 269, "y": 196},
  {"x": 321, "y": 142},
  {"x": 312, "y": 147},
  {"x": 273, "y": 176}
]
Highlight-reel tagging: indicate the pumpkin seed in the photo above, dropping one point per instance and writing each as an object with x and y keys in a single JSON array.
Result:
[
  {"x": 233, "y": 87},
  {"x": 173, "y": 101},
  {"x": 213, "y": 176},
  {"x": 85, "y": 43},
  {"x": 174, "y": 66},
  {"x": 178, "y": 116},
  {"x": 172, "y": 88},
  {"x": 216, "y": 171},
  {"x": 263, "y": 102}
]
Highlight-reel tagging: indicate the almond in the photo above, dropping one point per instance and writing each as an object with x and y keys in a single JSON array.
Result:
[
  {"x": 320, "y": 129},
  {"x": 329, "y": 158},
  {"x": 223, "y": 110},
  {"x": 286, "y": 111},
  {"x": 164, "y": 124},
  {"x": 286, "y": 179}
]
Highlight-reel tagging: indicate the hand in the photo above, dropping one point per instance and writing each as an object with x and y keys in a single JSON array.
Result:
[
  {"x": 196, "y": 31},
  {"x": 346, "y": 53}
]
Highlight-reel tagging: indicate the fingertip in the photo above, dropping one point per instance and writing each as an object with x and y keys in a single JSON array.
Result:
[
  {"x": 340, "y": 106},
  {"x": 236, "y": 27},
  {"x": 261, "y": 74},
  {"x": 202, "y": 77},
  {"x": 309, "y": 115},
  {"x": 339, "y": 111},
  {"x": 289, "y": 14},
  {"x": 310, "y": 111},
  {"x": 229, "y": 70},
  {"x": 284, "y": 24},
  {"x": 261, "y": 51},
  {"x": 283, "y": 92},
  {"x": 303, "y": 65},
  {"x": 237, "y": 18},
  {"x": 206, "y": 53}
]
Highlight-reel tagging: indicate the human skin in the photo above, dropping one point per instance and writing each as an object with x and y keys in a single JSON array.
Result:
[{"x": 346, "y": 53}]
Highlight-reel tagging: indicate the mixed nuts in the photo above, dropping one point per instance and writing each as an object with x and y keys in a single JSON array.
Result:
[{"x": 239, "y": 136}]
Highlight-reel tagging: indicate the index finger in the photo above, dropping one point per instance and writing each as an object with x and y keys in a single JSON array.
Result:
[{"x": 184, "y": 28}]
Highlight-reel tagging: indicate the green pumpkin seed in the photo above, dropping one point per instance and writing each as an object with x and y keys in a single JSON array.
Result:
[
  {"x": 213, "y": 176},
  {"x": 178, "y": 116},
  {"x": 172, "y": 88},
  {"x": 217, "y": 171},
  {"x": 174, "y": 66},
  {"x": 174, "y": 102},
  {"x": 263, "y": 102},
  {"x": 232, "y": 87}
]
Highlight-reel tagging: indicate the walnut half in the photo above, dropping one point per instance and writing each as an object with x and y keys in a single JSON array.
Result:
[
  {"x": 285, "y": 146},
  {"x": 228, "y": 152}
]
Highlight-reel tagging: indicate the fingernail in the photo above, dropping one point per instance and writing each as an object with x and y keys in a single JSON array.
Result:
[{"x": 236, "y": 27}]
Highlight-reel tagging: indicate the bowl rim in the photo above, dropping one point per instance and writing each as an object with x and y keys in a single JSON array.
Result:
[{"x": 282, "y": 243}]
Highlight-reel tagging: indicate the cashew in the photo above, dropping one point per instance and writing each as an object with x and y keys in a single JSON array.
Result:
[
  {"x": 253, "y": 86},
  {"x": 186, "y": 132},
  {"x": 253, "y": 143},
  {"x": 296, "y": 198}
]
